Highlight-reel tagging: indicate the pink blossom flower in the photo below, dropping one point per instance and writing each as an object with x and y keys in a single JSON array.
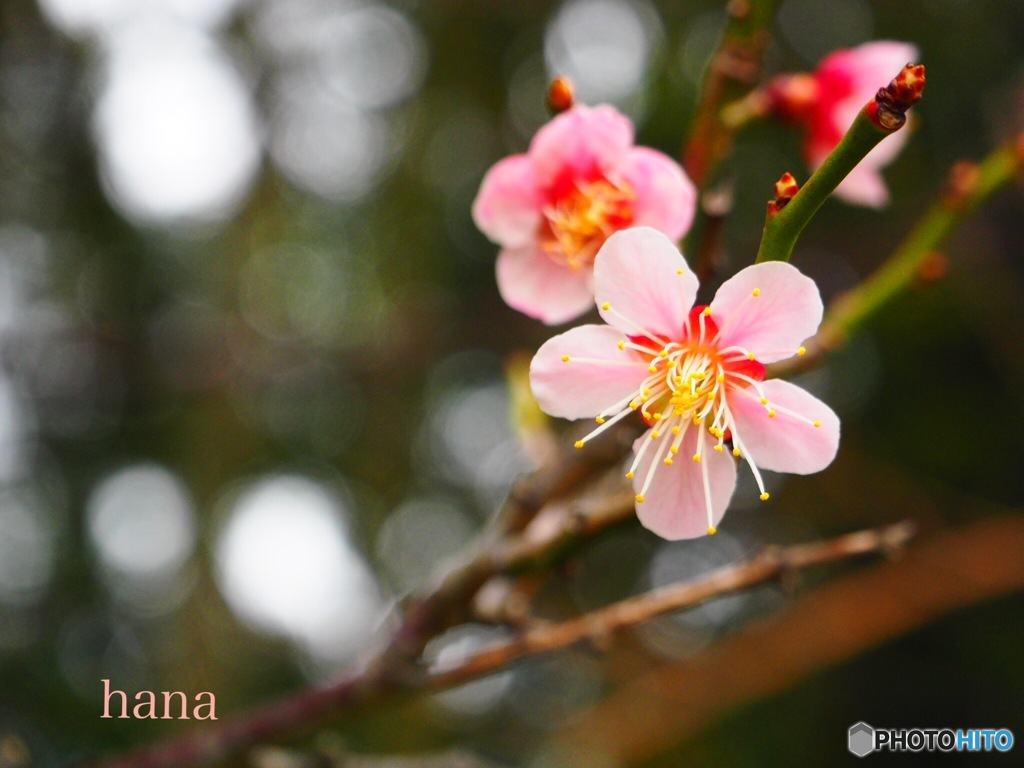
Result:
[
  {"x": 826, "y": 102},
  {"x": 552, "y": 208},
  {"x": 696, "y": 375}
]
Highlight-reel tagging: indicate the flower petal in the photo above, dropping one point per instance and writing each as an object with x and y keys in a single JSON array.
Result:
[
  {"x": 786, "y": 311},
  {"x": 785, "y": 443},
  {"x": 865, "y": 186},
  {"x": 535, "y": 285},
  {"x": 674, "y": 505},
  {"x": 578, "y": 389},
  {"x": 637, "y": 273},
  {"x": 508, "y": 206},
  {"x": 580, "y": 142},
  {"x": 665, "y": 197}
]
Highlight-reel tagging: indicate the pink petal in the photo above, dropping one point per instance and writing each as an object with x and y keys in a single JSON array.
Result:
[
  {"x": 580, "y": 142},
  {"x": 577, "y": 389},
  {"x": 508, "y": 206},
  {"x": 636, "y": 273},
  {"x": 864, "y": 186},
  {"x": 785, "y": 443},
  {"x": 674, "y": 506},
  {"x": 529, "y": 281},
  {"x": 665, "y": 197},
  {"x": 874, "y": 64},
  {"x": 786, "y": 311}
]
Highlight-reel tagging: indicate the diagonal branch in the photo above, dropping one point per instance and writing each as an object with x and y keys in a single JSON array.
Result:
[
  {"x": 377, "y": 682},
  {"x": 950, "y": 571}
]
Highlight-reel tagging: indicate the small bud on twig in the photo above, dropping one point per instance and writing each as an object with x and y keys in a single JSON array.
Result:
[
  {"x": 560, "y": 96},
  {"x": 785, "y": 190},
  {"x": 889, "y": 109}
]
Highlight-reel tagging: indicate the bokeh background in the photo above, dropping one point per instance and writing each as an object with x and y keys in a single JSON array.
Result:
[{"x": 252, "y": 358}]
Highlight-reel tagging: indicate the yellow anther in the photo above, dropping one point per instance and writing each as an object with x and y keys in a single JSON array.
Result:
[
  {"x": 675, "y": 430},
  {"x": 647, "y": 392},
  {"x": 565, "y": 358},
  {"x": 771, "y": 414},
  {"x": 697, "y": 419},
  {"x": 634, "y": 405},
  {"x": 677, "y": 379},
  {"x": 606, "y": 306},
  {"x": 663, "y": 354},
  {"x": 712, "y": 531},
  {"x": 657, "y": 417},
  {"x": 652, "y": 368},
  {"x": 578, "y": 443},
  {"x": 757, "y": 292},
  {"x": 696, "y": 458},
  {"x": 630, "y": 475},
  {"x": 719, "y": 449},
  {"x": 707, "y": 311},
  {"x": 698, "y": 375},
  {"x": 622, "y": 345},
  {"x": 668, "y": 460},
  {"x": 599, "y": 419},
  {"x": 721, "y": 378},
  {"x": 802, "y": 351},
  {"x": 655, "y": 435},
  {"x": 674, "y": 450},
  {"x": 765, "y": 496},
  {"x": 750, "y": 355},
  {"x": 639, "y": 498},
  {"x": 764, "y": 401},
  {"x": 680, "y": 271},
  {"x": 817, "y": 423},
  {"x": 736, "y": 452}
]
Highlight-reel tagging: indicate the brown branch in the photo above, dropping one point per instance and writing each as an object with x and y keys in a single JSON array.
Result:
[
  {"x": 953, "y": 570},
  {"x": 769, "y": 565},
  {"x": 734, "y": 70},
  {"x": 378, "y": 680}
]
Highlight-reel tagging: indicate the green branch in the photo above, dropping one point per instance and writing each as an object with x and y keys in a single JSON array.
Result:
[
  {"x": 968, "y": 187},
  {"x": 881, "y": 117}
]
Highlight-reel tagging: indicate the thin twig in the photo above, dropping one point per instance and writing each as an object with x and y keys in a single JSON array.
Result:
[
  {"x": 734, "y": 70},
  {"x": 968, "y": 187},
  {"x": 375, "y": 682},
  {"x": 769, "y": 565},
  {"x": 949, "y": 571}
]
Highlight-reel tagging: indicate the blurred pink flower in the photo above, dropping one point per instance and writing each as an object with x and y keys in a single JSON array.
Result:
[
  {"x": 552, "y": 208},
  {"x": 695, "y": 374},
  {"x": 826, "y": 102}
]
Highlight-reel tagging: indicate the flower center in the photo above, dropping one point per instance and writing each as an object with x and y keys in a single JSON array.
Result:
[{"x": 582, "y": 217}]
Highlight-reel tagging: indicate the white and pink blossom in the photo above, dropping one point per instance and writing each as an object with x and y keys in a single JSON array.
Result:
[
  {"x": 696, "y": 374},
  {"x": 552, "y": 208},
  {"x": 826, "y": 102}
]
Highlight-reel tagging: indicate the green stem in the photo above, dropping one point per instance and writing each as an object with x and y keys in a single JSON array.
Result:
[
  {"x": 969, "y": 186},
  {"x": 734, "y": 70},
  {"x": 783, "y": 227}
]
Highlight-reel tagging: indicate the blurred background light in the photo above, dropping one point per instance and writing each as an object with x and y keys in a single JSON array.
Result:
[
  {"x": 141, "y": 524},
  {"x": 175, "y": 125},
  {"x": 604, "y": 47},
  {"x": 418, "y": 536},
  {"x": 286, "y": 565},
  {"x": 76, "y": 17},
  {"x": 468, "y": 441},
  {"x": 27, "y": 545}
]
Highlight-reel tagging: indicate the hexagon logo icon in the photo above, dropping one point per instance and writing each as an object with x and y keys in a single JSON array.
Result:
[{"x": 861, "y": 739}]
